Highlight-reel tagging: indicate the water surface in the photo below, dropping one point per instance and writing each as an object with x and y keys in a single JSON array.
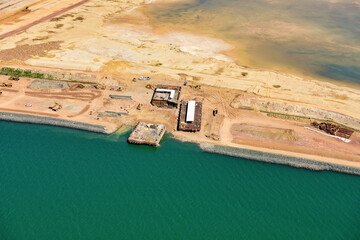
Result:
[
  {"x": 58, "y": 183},
  {"x": 317, "y": 38}
]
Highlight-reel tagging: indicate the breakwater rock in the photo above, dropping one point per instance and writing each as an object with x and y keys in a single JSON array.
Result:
[
  {"x": 278, "y": 159},
  {"x": 26, "y": 118}
]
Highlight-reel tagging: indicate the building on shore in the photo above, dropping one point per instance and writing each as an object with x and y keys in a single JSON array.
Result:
[
  {"x": 148, "y": 134},
  {"x": 190, "y": 116},
  {"x": 166, "y": 96}
]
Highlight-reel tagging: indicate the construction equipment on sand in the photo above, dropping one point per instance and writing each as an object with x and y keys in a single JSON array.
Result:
[
  {"x": 26, "y": 9},
  {"x": 144, "y": 78},
  {"x": 196, "y": 86},
  {"x": 14, "y": 78},
  {"x": 149, "y": 86},
  {"x": 79, "y": 85},
  {"x": 99, "y": 86},
  {"x": 9, "y": 85},
  {"x": 56, "y": 107},
  {"x": 139, "y": 107},
  {"x": 215, "y": 112}
]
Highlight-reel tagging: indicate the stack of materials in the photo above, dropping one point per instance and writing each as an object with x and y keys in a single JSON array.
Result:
[
  {"x": 333, "y": 129},
  {"x": 148, "y": 134}
]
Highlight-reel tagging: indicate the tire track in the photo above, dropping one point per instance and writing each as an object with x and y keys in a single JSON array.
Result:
[{"x": 55, "y": 14}]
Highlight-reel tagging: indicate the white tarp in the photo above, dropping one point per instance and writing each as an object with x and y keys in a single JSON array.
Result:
[
  {"x": 172, "y": 92},
  {"x": 190, "y": 111}
]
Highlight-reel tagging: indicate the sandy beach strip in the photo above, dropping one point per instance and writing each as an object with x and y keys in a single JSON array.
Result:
[{"x": 275, "y": 158}]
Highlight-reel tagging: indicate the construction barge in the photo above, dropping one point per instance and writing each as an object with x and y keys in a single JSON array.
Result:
[{"x": 147, "y": 134}]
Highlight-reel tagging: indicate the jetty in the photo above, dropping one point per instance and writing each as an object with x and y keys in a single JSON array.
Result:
[{"x": 147, "y": 134}]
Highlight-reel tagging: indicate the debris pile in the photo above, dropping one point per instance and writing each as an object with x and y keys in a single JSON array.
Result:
[{"x": 333, "y": 129}]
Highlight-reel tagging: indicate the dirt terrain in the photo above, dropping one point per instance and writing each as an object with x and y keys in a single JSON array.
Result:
[{"x": 120, "y": 45}]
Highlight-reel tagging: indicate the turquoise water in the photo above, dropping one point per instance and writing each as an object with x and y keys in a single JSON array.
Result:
[{"x": 58, "y": 183}]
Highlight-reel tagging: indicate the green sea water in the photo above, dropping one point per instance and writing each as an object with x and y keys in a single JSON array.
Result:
[{"x": 58, "y": 183}]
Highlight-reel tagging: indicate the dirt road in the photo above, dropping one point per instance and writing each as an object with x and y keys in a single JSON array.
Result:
[{"x": 55, "y": 14}]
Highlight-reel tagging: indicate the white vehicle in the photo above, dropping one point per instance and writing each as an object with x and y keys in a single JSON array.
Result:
[{"x": 28, "y": 105}]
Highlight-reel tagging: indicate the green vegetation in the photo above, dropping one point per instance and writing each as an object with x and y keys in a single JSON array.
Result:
[
  {"x": 284, "y": 114},
  {"x": 21, "y": 73},
  {"x": 29, "y": 74}
]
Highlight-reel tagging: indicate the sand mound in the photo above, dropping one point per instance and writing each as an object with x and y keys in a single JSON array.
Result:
[{"x": 266, "y": 133}]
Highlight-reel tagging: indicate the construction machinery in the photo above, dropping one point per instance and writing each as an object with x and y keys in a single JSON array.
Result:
[
  {"x": 26, "y": 9},
  {"x": 149, "y": 86},
  {"x": 99, "y": 86},
  {"x": 79, "y": 85},
  {"x": 215, "y": 112},
  {"x": 194, "y": 85},
  {"x": 9, "y": 85},
  {"x": 139, "y": 107},
  {"x": 56, "y": 107},
  {"x": 144, "y": 78},
  {"x": 14, "y": 78}
]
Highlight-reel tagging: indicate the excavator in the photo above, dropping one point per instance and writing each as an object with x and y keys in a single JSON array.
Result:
[
  {"x": 9, "y": 85},
  {"x": 14, "y": 78},
  {"x": 56, "y": 107},
  {"x": 26, "y": 9},
  {"x": 215, "y": 112},
  {"x": 139, "y": 107},
  {"x": 194, "y": 85},
  {"x": 149, "y": 86}
]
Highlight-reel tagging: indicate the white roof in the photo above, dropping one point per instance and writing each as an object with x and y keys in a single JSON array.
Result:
[
  {"x": 190, "y": 111},
  {"x": 172, "y": 92}
]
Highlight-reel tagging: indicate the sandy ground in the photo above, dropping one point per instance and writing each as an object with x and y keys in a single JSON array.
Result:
[{"x": 122, "y": 45}]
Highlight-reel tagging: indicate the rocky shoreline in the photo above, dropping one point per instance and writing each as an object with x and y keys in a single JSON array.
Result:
[
  {"x": 278, "y": 159},
  {"x": 25, "y": 118}
]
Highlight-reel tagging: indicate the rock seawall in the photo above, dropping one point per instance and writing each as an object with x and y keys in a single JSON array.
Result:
[
  {"x": 26, "y": 118},
  {"x": 278, "y": 159}
]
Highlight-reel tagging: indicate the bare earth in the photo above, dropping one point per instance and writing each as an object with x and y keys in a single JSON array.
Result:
[{"x": 121, "y": 45}]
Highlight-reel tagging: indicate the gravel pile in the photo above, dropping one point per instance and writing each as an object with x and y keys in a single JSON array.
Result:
[{"x": 47, "y": 85}]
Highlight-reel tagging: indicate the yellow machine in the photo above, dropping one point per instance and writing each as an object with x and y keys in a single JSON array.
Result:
[
  {"x": 56, "y": 107},
  {"x": 139, "y": 106},
  {"x": 26, "y": 9},
  {"x": 9, "y": 85},
  {"x": 215, "y": 112},
  {"x": 14, "y": 78},
  {"x": 149, "y": 86},
  {"x": 196, "y": 86}
]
